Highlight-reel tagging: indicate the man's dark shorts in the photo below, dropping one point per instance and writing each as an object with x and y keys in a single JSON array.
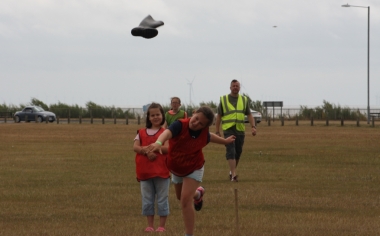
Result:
[{"x": 234, "y": 149}]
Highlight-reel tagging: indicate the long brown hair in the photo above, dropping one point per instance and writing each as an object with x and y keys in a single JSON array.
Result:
[
  {"x": 148, "y": 123},
  {"x": 208, "y": 113}
]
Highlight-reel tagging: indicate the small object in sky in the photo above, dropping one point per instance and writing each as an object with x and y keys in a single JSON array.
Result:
[
  {"x": 147, "y": 28},
  {"x": 275, "y": 26}
]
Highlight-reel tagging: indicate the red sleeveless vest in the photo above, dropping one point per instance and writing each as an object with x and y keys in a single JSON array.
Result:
[
  {"x": 185, "y": 152},
  {"x": 146, "y": 169}
]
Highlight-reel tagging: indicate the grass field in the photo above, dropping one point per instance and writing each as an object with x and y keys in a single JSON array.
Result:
[{"x": 60, "y": 179}]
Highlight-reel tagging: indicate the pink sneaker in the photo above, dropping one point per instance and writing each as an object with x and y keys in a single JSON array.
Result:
[
  {"x": 199, "y": 203},
  {"x": 149, "y": 229},
  {"x": 160, "y": 229}
]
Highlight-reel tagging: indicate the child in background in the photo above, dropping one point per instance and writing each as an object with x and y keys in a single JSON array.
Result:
[
  {"x": 175, "y": 113},
  {"x": 187, "y": 137},
  {"x": 151, "y": 170}
]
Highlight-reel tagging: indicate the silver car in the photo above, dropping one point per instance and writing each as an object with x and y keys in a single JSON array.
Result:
[
  {"x": 31, "y": 113},
  {"x": 256, "y": 115}
]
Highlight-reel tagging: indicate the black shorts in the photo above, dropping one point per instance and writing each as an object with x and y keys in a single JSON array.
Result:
[{"x": 234, "y": 149}]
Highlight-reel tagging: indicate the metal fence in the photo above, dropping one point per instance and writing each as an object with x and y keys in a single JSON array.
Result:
[
  {"x": 87, "y": 113},
  {"x": 319, "y": 114},
  {"x": 273, "y": 114}
]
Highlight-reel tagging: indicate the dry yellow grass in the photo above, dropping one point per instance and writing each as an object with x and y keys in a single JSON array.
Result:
[{"x": 80, "y": 180}]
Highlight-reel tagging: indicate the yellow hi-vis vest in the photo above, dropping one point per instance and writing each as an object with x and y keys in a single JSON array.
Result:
[{"x": 231, "y": 115}]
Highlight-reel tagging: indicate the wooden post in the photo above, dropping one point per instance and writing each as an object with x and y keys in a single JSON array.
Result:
[
  {"x": 237, "y": 212},
  {"x": 47, "y": 120},
  {"x": 114, "y": 120},
  {"x": 357, "y": 121},
  {"x": 296, "y": 120},
  {"x": 312, "y": 121},
  {"x": 341, "y": 121},
  {"x": 91, "y": 117},
  {"x": 103, "y": 120},
  {"x": 57, "y": 119},
  {"x": 5, "y": 118},
  {"x": 327, "y": 121},
  {"x": 282, "y": 121},
  {"x": 26, "y": 118},
  {"x": 36, "y": 118},
  {"x": 126, "y": 119},
  {"x": 373, "y": 121},
  {"x": 80, "y": 119},
  {"x": 68, "y": 118},
  {"x": 268, "y": 122}
]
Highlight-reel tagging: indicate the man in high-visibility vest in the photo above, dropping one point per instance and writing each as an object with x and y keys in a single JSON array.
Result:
[{"x": 232, "y": 109}]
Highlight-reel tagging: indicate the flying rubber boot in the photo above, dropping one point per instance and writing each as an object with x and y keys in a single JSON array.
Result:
[{"x": 147, "y": 28}]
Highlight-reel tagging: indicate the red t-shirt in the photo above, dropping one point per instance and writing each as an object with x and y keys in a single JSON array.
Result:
[
  {"x": 146, "y": 169},
  {"x": 185, "y": 152}
]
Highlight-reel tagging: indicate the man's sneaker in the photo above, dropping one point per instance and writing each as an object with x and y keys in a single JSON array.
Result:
[
  {"x": 199, "y": 203},
  {"x": 234, "y": 179}
]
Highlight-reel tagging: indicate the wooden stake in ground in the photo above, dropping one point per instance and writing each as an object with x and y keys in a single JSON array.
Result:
[{"x": 237, "y": 212}]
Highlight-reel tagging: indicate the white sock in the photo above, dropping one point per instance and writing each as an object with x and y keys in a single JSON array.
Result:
[{"x": 198, "y": 195}]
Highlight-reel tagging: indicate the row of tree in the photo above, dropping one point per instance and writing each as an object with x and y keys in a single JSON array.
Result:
[
  {"x": 331, "y": 112},
  {"x": 64, "y": 110},
  {"x": 327, "y": 110}
]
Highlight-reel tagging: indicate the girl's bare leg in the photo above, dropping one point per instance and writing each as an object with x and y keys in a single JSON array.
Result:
[
  {"x": 150, "y": 221},
  {"x": 178, "y": 190},
  {"x": 189, "y": 187},
  {"x": 162, "y": 221}
]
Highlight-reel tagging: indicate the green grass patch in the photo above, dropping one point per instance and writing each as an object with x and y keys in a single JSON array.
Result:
[{"x": 293, "y": 180}]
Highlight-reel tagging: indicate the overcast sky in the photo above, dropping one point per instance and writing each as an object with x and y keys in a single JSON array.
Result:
[{"x": 79, "y": 51}]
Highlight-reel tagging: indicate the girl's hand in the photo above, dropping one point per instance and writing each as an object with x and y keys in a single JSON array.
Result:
[
  {"x": 154, "y": 147},
  {"x": 151, "y": 156},
  {"x": 230, "y": 139}
]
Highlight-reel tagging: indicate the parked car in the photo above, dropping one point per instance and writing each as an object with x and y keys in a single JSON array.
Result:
[
  {"x": 256, "y": 115},
  {"x": 31, "y": 113}
]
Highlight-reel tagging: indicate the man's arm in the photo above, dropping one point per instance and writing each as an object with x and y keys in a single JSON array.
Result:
[
  {"x": 250, "y": 119},
  {"x": 252, "y": 122}
]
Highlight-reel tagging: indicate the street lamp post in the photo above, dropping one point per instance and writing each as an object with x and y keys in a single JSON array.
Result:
[{"x": 368, "y": 111}]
